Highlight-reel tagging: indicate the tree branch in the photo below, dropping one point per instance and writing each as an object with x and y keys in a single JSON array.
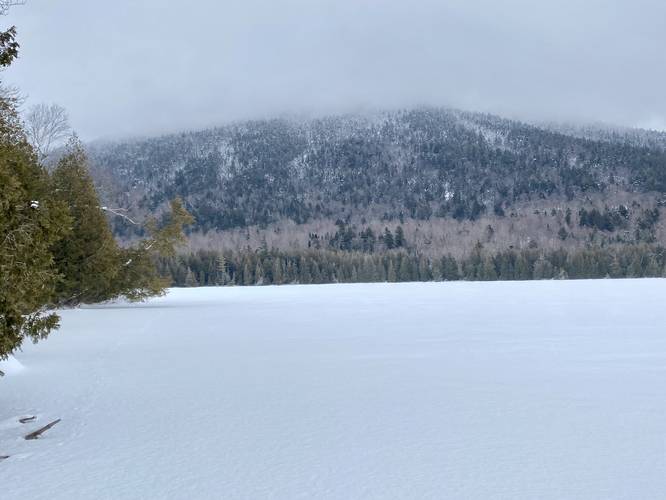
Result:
[{"x": 116, "y": 211}]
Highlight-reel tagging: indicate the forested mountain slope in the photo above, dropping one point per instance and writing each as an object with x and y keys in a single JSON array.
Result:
[{"x": 448, "y": 178}]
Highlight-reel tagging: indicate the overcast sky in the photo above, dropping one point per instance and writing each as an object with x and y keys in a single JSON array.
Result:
[{"x": 149, "y": 66}]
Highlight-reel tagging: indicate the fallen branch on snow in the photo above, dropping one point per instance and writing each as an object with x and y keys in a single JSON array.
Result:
[{"x": 39, "y": 432}]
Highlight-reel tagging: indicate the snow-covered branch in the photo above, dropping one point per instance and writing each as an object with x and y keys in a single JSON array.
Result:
[{"x": 118, "y": 212}]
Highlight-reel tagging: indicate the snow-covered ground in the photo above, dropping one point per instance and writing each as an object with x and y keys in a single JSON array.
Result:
[{"x": 552, "y": 389}]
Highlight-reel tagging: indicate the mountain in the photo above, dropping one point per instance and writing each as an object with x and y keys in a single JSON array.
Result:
[{"x": 448, "y": 178}]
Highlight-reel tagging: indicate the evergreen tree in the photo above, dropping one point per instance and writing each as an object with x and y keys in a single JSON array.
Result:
[
  {"x": 405, "y": 269},
  {"x": 388, "y": 239},
  {"x": 399, "y": 240},
  {"x": 221, "y": 270},
  {"x": 277, "y": 271},
  {"x": 259, "y": 274},
  {"x": 305, "y": 277},
  {"x": 488, "y": 273},
  {"x": 635, "y": 269},
  {"x": 652, "y": 269},
  {"x": 523, "y": 268},
  {"x": 449, "y": 268},
  {"x": 543, "y": 269},
  {"x": 88, "y": 259},
  {"x": 30, "y": 223},
  {"x": 390, "y": 273},
  {"x": 190, "y": 280},
  {"x": 92, "y": 266},
  {"x": 616, "y": 268},
  {"x": 138, "y": 277},
  {"x": 425, "y": 273},
  {"x": 248, "y": 279}
]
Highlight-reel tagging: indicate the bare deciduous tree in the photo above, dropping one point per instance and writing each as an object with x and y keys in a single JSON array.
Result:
[
  {"x": 6, "y": 4},
  {"x": 13, "y": 94},
  {"x": 47, "y": 126}
]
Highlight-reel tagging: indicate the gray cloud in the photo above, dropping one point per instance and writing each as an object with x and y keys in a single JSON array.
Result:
[{"x": 143, "y": 67}]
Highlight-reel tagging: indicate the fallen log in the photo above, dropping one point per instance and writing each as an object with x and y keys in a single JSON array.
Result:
[{"x": 39, "y": 432}]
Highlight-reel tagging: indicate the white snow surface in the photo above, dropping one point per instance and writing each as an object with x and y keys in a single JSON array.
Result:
[
  {"x": 10, "y": 366},
  {"x": 514, "y": 390}
]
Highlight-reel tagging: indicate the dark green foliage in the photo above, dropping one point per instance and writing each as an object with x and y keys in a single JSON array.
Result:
[
  {"x": 399, "y": 240},
  {"x": 56, "y": 246},
  {"x": 389, "y": 243},
  {"x": 88, "y": 259},
  {"x": 30, "y": 222},
  {"x": 329, "y": 266},
  {"x": 93, "y": 268},
  {"x": 8, "y": 47},
  {"x": 608, "y": 220},
  {"x": 349, "y": 238}
]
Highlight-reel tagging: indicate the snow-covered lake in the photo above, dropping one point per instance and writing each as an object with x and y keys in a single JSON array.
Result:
[{"x": 549, "y": 390}]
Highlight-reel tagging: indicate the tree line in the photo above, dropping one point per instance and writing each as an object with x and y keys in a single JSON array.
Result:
[{"x": 275, "y": 267}]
